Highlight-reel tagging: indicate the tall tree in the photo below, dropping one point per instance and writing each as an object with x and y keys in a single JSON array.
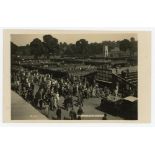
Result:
[
  {"x": 133, "y": 46},
  {"x": 124, "y": 45},
  {"x": 82, "y": 47},
  {"x": 62, "y": 48},
  {"x": 51, "y": 43},
  {"x": 37, "y": 47},
  {"x": 14, "y": 48}
]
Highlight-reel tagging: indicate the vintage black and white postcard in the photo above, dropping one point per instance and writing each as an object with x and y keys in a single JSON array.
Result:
[{"x": 76, "y": 76}]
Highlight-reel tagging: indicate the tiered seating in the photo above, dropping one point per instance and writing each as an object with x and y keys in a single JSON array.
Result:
[{"x": 132, "y": 78}]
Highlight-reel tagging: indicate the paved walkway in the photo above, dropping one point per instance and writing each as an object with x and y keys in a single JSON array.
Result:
[{"x": 21, "y": 110}]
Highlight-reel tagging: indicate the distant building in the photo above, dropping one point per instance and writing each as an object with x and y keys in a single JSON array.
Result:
[
  {"x": 117, "y": 53},
  {"x": 106, "y": 51}
]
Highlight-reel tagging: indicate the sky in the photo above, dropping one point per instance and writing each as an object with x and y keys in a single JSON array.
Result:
[{"x": 24, "y": 39}]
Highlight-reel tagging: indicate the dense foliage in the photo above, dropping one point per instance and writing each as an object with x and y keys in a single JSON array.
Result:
[{"x": 51, "y": 46}]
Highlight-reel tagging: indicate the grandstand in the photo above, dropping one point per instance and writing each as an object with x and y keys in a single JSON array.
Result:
[{"x": 132, "y": 78}]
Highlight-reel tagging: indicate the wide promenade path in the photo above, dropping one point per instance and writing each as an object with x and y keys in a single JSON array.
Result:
[{"x": 21, "y": 110}]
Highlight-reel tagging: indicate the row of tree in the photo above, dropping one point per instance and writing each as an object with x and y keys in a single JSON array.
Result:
[{"x": 51, "y": 46}]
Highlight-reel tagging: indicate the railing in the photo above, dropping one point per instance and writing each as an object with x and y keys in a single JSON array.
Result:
[{"x": 124, "y": 80}]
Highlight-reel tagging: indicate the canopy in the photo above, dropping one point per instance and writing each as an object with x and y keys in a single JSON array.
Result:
[{"x": 131, "y": 98}]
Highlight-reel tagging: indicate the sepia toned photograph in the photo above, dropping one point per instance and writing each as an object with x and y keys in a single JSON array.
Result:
[{"x": 74, "y": 76}]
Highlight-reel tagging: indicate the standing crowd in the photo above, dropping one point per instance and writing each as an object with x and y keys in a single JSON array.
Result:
[{"x": 44, "y": 92}]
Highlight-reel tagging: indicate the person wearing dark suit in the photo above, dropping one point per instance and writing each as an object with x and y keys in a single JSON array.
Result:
[{"x": 58, "y": 113}]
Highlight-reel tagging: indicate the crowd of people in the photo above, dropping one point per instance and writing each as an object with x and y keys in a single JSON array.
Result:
[{"x": 44, "y": 92}]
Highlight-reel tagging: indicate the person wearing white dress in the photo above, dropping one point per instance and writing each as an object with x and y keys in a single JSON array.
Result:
[{"x": 57, "y": 98}]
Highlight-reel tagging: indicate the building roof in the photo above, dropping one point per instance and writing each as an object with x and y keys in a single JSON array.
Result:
[{"x": 115, "y": 49}]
